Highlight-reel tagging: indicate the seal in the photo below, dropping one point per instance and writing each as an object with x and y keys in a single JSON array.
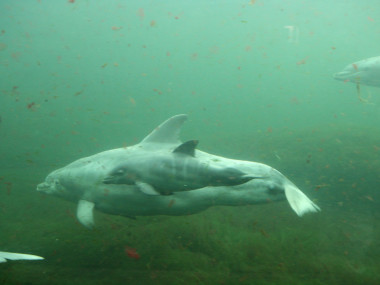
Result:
[
  {"x": 366, "y": 71},
  {"x": 102, "y": 182},
  {"x": 161, "y": 172}
]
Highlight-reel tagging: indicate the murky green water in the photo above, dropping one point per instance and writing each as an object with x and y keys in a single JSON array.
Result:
[{"x": 83, "y": 77}]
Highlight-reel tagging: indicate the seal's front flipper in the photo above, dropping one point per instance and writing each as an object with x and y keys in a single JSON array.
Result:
[
  {"x": 146, "y": 188},
  {"x": 85, "y": 213},
  {"x": 17, "y": 256}
]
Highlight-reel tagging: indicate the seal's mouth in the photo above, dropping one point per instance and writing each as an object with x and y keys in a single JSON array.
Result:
[
  {"x": 342, "y": 75},
  {"x": 43, "y": 187},
  {"x": 109, "y": 180},
  {"x": 336, "y": 76},
  {"x": 348, "y": 76}
]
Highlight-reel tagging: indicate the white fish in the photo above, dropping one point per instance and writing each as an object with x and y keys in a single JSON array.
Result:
[{"x": 85, "y": 181}]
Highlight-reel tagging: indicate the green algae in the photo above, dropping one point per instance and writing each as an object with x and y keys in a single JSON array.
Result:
[{"x": 263, "y": 244}]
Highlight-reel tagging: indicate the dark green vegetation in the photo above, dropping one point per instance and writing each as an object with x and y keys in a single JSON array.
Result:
[{"x": 266, "y": 244}]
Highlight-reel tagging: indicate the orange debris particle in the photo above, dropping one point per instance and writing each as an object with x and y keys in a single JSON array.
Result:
[
  {"x": 302, "y": 61},
  {"x": 141, "y": 14}
]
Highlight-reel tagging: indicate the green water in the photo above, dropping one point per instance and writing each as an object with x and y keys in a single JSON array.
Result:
[{"x": 80, "y": 78}]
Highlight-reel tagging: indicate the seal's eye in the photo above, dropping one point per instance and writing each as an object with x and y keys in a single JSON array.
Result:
[{"x": 119, "y": 172}]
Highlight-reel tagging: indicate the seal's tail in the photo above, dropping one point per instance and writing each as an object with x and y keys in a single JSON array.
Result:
[{"x": 299, "y": 202}]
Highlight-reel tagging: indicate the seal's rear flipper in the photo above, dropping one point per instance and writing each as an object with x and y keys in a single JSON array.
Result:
[
  {"x": 17, "y": 256},
  {"x": 298, "y": 201},
  {"x": 85, "y": 213}
]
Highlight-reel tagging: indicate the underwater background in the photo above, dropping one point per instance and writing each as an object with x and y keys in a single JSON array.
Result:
[{"x": 255, "y": 77}]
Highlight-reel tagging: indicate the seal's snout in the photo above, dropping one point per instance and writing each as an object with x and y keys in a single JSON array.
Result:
[
  {"x": 48, "y": 187},
  {"x": 341, "y": 75},
  {"x": 43, "y": 187},
  {"x": 109, "y": 180}
]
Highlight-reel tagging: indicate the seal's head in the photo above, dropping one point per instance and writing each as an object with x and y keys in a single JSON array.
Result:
[
  {"x": 350, "y": 73},
  {"x": 366, "y": 71},
  {"x": 52, "y": 185}
]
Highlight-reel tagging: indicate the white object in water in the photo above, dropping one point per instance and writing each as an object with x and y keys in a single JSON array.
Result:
[{"x": 17, "y": 256}]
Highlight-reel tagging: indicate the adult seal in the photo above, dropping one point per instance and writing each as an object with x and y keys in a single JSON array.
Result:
[{"x": 95, "y": 182}]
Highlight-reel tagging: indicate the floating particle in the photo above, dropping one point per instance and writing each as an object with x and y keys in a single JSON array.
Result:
[
  {"x": 157, "y": 90},
  {"x": 30, "y": 105},
  {"x": 132, "y": 253},
  {"x": 78, "y": 93},
  {"x": 302, "y": 61},
  {"x": 141, "y": 14},
  {"x": 264, "y": 233},
  {"x": 9, "y": 187},
  {"x": 171, "y": 203},
  {"x": 369, "y": 198},
  {"x": 3, "y": 46},
  {"x": 214, "y": 50}
]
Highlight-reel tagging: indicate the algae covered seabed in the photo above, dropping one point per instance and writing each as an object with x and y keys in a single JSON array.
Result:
[{"x": 337, "y": 166}]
